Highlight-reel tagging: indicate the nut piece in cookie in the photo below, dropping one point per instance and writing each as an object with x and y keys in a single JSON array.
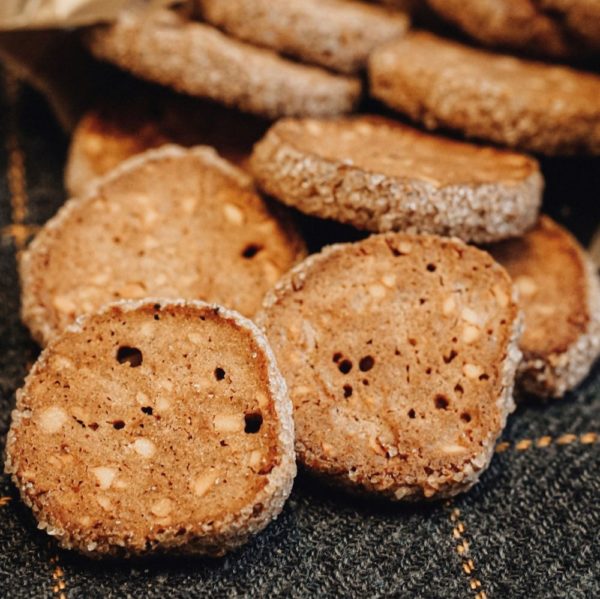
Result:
[
  {"x": 400, "y": 354},
  {"x": 336, "y": 34},
  {"x": 154, "y": 426},
  {"x": 381, "y": 175},
  {"x": 559, "y": 293},
  {"x": 166, "y": 47},
  {"x": 519, "y": 103},
  {"x": 171, "y": 222}
]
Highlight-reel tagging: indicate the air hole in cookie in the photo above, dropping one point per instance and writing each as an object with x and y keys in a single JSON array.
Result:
[
  {"x": 412, "y": 341},
  {"x": 428, "y": 371},
  {"x": 450, "y": 357},
  {"x": 131, "y": 355},
  {"x": 366, "y": 363},
  {"x": 441, "y": 402},
  {"x": 345, "y": 366},
  {"x": 94, "y": 426},
  {"x": 411, "y": 413},
  {"x": 147, "y": 410},
  {"x": 253, "y": 422},
  {"x": 428, "y": 470},
  {"x": 365, "y": 382},
  {"x": 465, "y": 417},
  {"x": 118, "y": 424},
  {"x": 337, "y": 357},
  {"x": 484, "y": 377},
  {"x": 219, "y": 373},
  {"x": 347, "y": 390},
  {"x": 251, "y": 250},
  {"x": 458, "y": 388},
  {"x": 431, "y": 267},
  {"x": 422, "y": 300}
]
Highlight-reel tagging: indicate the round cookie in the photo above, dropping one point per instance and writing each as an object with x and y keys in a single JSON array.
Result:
[
  {"x": 514, "y": 102},
  {"x": 559, "y": 293},
  {"x": 516, "y": 24},
  {"x": 113, "y": 131},
  {"x": 172, "y": 223},
  {"x": 580, "y": 17},
  {"x": 194, "y": 58},
  {"x": 381, "y": 175},
  {"x": 337, "y": 34},
  {"x": 154, "y": 426},
  {"x": 399, "y": 353}
]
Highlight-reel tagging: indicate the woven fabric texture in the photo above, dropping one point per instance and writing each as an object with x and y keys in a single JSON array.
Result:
[{"x": 529, "y": 529}]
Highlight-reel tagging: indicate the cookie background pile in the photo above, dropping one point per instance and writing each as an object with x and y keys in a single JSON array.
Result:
[{"x": 528, "y": 527}]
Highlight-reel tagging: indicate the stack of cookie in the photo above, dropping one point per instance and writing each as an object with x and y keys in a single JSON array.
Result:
[{"x": 167, "y": 421}]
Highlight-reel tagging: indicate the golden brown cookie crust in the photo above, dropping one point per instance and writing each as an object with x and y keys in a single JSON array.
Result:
[
  {"x": 336, "y": 34},
  {"x": 400, "y": 353},
  {"x": 559, "y": 293},
  {"x": 380, "y": 175},
  {"x": 154, "y": 426},
  {"x": 171, "y": 222},
  {"x": 197, "y": 59},
  {"x": 518, "y": 103}
]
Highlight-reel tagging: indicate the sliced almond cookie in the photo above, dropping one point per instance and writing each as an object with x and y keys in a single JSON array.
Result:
[
  {"x": 165, "y": 47},
  {"x": 560, "y": 296},
  {"x": 154, "y": 426},
  {"x": 337, "y": 34},
  {"x": 116, "y": 130},
  {"x": 381, "y": 175},
  {"x": 495, "y": 97},
  {"x": 400, "y": 353},
  {"x": 168, "y": 223}
]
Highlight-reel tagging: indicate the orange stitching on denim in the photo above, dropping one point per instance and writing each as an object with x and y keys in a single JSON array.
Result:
[
  {"x": 60, "y": 585},
  {"x": 463, "y": 547},
  {"x": 547, "y": 441}
]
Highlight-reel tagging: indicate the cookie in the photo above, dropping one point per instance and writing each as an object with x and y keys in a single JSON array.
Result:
[
  {"x": 560, "y": 295},
  {"x": 514, "y": 24},
  {"x": 171, "y": 223},
  {"x": 514, "y": 102},
  {"x": 165, "y": 47},
  {"x": 337, "y": 34},
  {"x": 399, "y": 352},
  {"x": 116, "y": 130},
  {"x": 154, "y": 426},
  {"x": 581, "y": 18},
  {"x": 380, "y": 175}
]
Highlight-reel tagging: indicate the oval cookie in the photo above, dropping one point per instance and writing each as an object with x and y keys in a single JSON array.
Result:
[
  {"x": 559, "y": 293},
  {"x": 336, "y": 34},
  {"x": 171, "y": 223},
  {"x": 511, "y": 101},
  {"x": 154, "y": 426},
  {"x": 197, "y": 59},
  {"x": 115, "y": 130},
  {"x": 518, "y": 24},
  {"x": 381, "y": 175},
  {"x": 399, "y": 353}
]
